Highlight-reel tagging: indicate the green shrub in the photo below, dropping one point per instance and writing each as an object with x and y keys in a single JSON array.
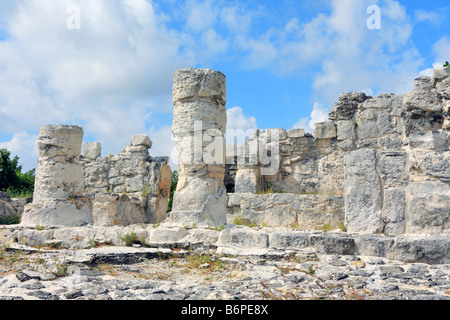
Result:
[
  {"x": 12, "y": 180},
  {"x": 173, "y": 187},
  {"x": 129, "y": 239},
  {"x": 10, "y": 220}
]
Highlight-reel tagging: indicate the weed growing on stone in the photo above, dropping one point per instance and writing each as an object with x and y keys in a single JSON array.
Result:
[
  {"x": 241, "y": 221},
  {"x": 129, "y": 239},
  {"x": 205, "y": 261},
  {"x": 275, "y": 294},
  {"x": 146, "y": 191},
  {"x": 327, "y": 227},
  {"x": 61, "y": 269}
]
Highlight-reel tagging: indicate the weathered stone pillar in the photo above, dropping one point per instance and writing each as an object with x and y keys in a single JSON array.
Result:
[
  {"x": 59, "y": 185},
  {"x": 363, "y": 199},
  {"x": 199, "y": 124}
]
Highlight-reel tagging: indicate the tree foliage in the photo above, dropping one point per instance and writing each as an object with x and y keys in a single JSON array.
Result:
[
  {"x": 447, "y": 64},
  {"x": 173, "y": 187},
  {"x": 12, "y": 180}
]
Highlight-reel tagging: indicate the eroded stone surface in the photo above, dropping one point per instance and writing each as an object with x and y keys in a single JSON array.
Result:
[{"x": 199, "y": 123}]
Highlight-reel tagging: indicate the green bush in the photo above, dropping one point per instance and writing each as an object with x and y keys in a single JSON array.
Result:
[
  {"x": 173, "y": 187},
  {"x": 10, "y": 220},
  {"x": 446, "y": 64},
  {"x": 12, "y": 180}
]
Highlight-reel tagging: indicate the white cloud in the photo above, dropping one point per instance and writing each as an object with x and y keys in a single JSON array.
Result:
[
  {"x": 318, "y": 114},
  {"x": 201, "y": 15},
  {"x": 109, "y": 76},
  {"x": 163, "y": 144},
  {"x": 239, "y": 128},
  {"x": 237, "y": 120},
  {"x": 441, "y": 51},
  {"x": 433, "y": 17},
  {"x": 114, "y": 72},
  {"x": 348, "y": 56},
  {"x": 214, "y": 42},
  {"x": 24, "y": 146}
]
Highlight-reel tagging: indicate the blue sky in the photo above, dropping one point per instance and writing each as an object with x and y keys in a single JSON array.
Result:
[{"x": 108, "y": 65}]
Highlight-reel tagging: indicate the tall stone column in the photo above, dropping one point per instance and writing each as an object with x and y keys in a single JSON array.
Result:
[
  {"x": 199, "y": 124},
  {"x": 59, "y": 185}
]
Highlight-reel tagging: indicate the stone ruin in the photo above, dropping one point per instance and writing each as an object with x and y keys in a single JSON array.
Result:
[
  {"x": 73, "y": 189},
  {"x": 379, "y": 165},
  {"x": 199, "y": 122}
]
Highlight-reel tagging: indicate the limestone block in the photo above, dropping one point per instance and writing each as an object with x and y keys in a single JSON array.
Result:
[
  {"x": 141, "y": 140},
  {"x": 444, "y": 87},
  {"x": 269, "y": 209},
  {"x": 19, "y": 204},
  {"x": 430, "y": 140},
  {"x": 347, "y": 105},
  {"x": 288, "y": 240},
  {"x": 367, "y": 129},
  {"x": 247, "y": 181},
  {"x": 57, "y": 180},
  {"x": 381, "y": 103},
  {"x": 384, "y": 124},
  {"x": 325, "y": 130},
  {"x": 397, "y": 105},
  {"x": 440, "y": 74},
  {"x": 333, "y": 243},
  {"x": 135, "y": 149},
  {"x": 163, "y": 235},
  {"x": 58, "y": 212},
  {"x": 288, "y": 210},
  {"x": 244, "y": 237},
  {"x": 296, "y": 133},
  {"x": 111, "y": 209},
  {"x": 427, "y": 208},
  {"x": 346, "y": 130},
  {"x": 32, "y": 237},
  {"x": 423, "y": 100},
  {"x": 430, "y": 163},
  {"x": 6, "y": 207},
  {"x": 374, "y": 245},
  {"x": 392, "y": 168},
  {"x": 394, "y": 206},
  {"x": 423, "y": 84},
  {"x": 415, "y": 248},
  {"x": 92, "y": 150},
  {"x": 362, "y": 192},
  {"x": 191, "y": 83},
  {"x": 60, "y": 141},
  {"x": 198, "y": 235}
]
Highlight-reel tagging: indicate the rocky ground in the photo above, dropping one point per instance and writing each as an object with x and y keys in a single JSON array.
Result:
[{"x": 138, "y": 273}]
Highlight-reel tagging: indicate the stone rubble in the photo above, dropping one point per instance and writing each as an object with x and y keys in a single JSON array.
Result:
[{"x": 171, "y": 268}]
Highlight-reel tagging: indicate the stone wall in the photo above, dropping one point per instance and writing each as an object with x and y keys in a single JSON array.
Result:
[
  {"x": 387, "y": 157},
  {"x": 129, "y": 187},
  {"x": 73, "y": 189}
]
